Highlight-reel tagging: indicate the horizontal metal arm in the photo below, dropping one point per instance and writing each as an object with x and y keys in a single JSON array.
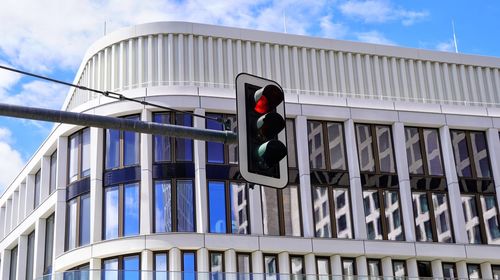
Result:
[{"x": 82, "y": 119}]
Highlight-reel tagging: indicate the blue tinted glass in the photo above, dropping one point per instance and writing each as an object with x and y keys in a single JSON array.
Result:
[
  {"x": 112, "y": 148},
  {"x": 131, "y": 269},
  {"x": 162, "y": 143},
  {"x": 131, "y": 209},
  {"x": 239, "y": 209},
  {"x": 111, "y": 212},
  {"x": 161, "y": 266},
  {"x": 188, "y": 266},
  {"x": 215, "y": 151},
  {"x": 183, "y": 147},
  {"x": 185, "y": 206},
  {"x": 217, "y": 210},
  {"x": 131, "y": 146},
  {"x": 163, "y": 206},
  {"x": 110, "y": 271},
  {"x": 85, "y": 219}
]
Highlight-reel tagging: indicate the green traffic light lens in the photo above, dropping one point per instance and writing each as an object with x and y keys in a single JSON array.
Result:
[{"x": 272, "y": 152}]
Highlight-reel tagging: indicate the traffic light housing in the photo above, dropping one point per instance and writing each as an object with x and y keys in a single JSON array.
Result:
[{"x": 261, "y": 131}]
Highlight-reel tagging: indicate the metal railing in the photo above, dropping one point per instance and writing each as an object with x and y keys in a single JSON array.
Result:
[{"x": 179, "y": 275}]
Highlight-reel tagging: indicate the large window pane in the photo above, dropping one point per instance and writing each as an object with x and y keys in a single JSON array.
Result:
[
  {"x": 110, "y": 269},
  {"x": 216, "y": 265},
  {"x": 393, "y": 216},
  {"x": 185, "y": 206},
  {"x": 162, "y": 146},
  {"x": 13, "y": 263},
  {"x": 336, "y": 146},
  {"x": 365, "y": 148},
  {"x": 422, "y": 215},
  {"x": 161, "y": 266},
  {"x": 30, "y": 256},
  {"x": 49, "y": 245},
  {"x": 348, "y": 267},
  {"x": 215, "y": 150},
  {"x": 461, "y": 153},
  {"x": 297, "y": 267},
  {"x": 385, "y": 151},
  {"x": 38, "y": 178},
  {"x": 53, "y": 172},
  {"x": 270, "y": 211},
  {"x": 239, "y": 208},
  {"x": 131, "y": 146},
  {"x": 183, "y": 147},
  {"x": 424, "y": 269},
  {"x": 474, "y": 271},
  {"x": 244, "y": 267},
  {"x": 316, "y": 145},
  {"x": 74, "y": 142},
  {"x": 372, "y": 214},
  {"x": 291, "y": 208},
  {"x": 399, "y": 268},
  {"x": 131, "y": 209},
  {"x": 131, "y": 268},
  {"x": 291, "y": 143},
  {"x": 496, "y": 271},
  {"x": 449, "y": 271},
  {"x": 413, "y": 151},
  {"x": 112, "y": 148},
  {"x": 163, "y": 206},
  {"x": 471, "y": 219},
  {"x": 480, "y": 154},
  {"x": 374, "y": 269},
  {"x": 85, "y": 169},
  {"x": 343, "y": 213},
  {"x": 442, "y": 217},
  {"x": 111, "y": 217},
  {"x": 490, "y": 218},
  {"x": 84, "y": 219},
  {"x": 188, "y": 265},
  {"x": 433, "y": 152},
  {"x": 217, "y": 209},
  {"x": 321, "y": 206},
  {"x": 270, "y": 267},
  {"x": 72, "y": 220},
  {"x": 323, "y": 265}
]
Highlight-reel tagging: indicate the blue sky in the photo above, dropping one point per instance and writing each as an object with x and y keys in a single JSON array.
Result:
[{"x": 50, "y": 38}]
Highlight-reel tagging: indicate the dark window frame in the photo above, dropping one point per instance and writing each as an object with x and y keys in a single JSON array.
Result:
[
  {"x": 48, "y": 268},
  {"x": 80, "y": 176},
  {"x": 281, "y": 210},
  {"x": 454, "y": 269},
  {"x": 37, "y": 188},
  {"x": 155, "y": 253},
  {"x": 173, "y": 199},
  {"x": 225, "y": 147},
  {"x": 379, "y": 266},
  {"x": 121, "y": 209},
  {"x": 426, "y": 175},
  {"x": 469, "y": 265},
  {"x": 354, "y": 265},
  {"x": 380, "y": 190},
  {"x": 249, "y": 255},
  {"x": 326, "y": 148},
  {"x": 227, "y": 202},
  {"x": 53, "y": 171},
  {"x": 276, "y": 258},
  {"x": 78, "y": 220},
  {"x": 173, "y": 147},
  {"x": 121, "y": 153},
  {"x": 393, "y": 261},
  {"x": 210, "y": 260},
  {"x": 120, "y": 259},
  {"x": 301, "y": 257},
  {"x": 424, "y": 263},
  {"x": 195, "y": 263},
  {"x": 327, "y": 259}
]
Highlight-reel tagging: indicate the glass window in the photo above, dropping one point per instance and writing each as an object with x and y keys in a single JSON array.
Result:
[
  {"x": 385, "y": 150},
  {"x": 330, "y": 156},
  {"x": 163, "y": 206},
  {"x": 161, "y": 266},
  {"x": 122, "y": 267},
  {"x": 77, "y": 273},
  {"x": 323, "y": 197},
  {"x": 271, "y": 266},
  {"x": 365, "y": 148},
  {"x": 72, "y": 221},
  {"x": 244, "y": 267},
  {"x": 490, "y": 218},
  {"x": 316, "y": 145},
  {"x": 121, "y": 212},
  {"x": 183, "y": 147},
  {"x": 449, "y": 271},
  {"x": 297, "y": 267},
  {"x": 167, "y": 149},
  {"x": 122, "y": 147},
  {"x": 216, "y": 265},
  {"x": 240, "y": 221},
  {"x": 131, "y": 268},
  {"x": 110, "y": 269},
  {"x": 281, "y": 211},
  {"x": 474, "y": 271},
  {"x": 291, "y": 143},
  {"x": 53, "y": 172},
  {"x": 496, "y": 271},
  {"x": 424, "y": 269},
  {"x": 348, "y": 267},
  {"x": 78, "y": 221},
  {"x": 188, "y": 265},
  {"x": 323, "y": 265},
  {"x": 399, "y": 268},
  {"x": 182, "y": 194},
  {"x": 79, "y": 155},
  {"x": 37, "y": 189},
  {"x": 162, "y": 146},
  {"x": 374, "y": 269},
  {"x": 236, "y": 205},
  {"x": 185, "y": 206},
  {"x": 217, "y": 197},
  {"x": 49, "y": 245},
  {"x": 84, "y": 233},
  {"x": 215, "y": 150},
  {"x": 13, "y": 263},
  {"x": 30, "y": 256},
  {"x": 433, "y": 152}
]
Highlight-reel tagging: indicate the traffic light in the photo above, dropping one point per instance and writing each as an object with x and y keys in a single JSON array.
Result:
[{"x": 261, "y": 131}]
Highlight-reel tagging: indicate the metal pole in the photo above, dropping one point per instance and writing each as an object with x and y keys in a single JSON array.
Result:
[{"x": 175, "y": 131}]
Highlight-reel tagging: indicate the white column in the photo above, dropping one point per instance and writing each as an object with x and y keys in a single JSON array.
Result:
[
  {"x": 304, "y": 175},
  {"x": 257, "y": 262},
  {"x": 8, "y": 217},
  {"x": 22, "y": 253},
  {"x": 15, "y": 208},
  {"x": 5, "y": 264},
  {"x": 387, "y": 270},
  {"x": 21, "y": 205},
  {"x": 95, "y": 267},
  {"x": 284, "y": 264},
  {"x": 147, "y": 262},
  {"x": 336, "y": 263},
  {"x": 457, "y": 214},
  {"x": 45, "y": 178},
  {"x": 310, "y": 266},
  {"x": 146, "y": 177},
  {"x": 412, "y": 268},
  {"x": 486, "y": 272},
  {"x": 200, "y": 182},
  {"x": 96, "y": 183},
  {"x": 437, "y": 269},
  {"x": 358, "y": 212},
  {"x": 174, "y": 259},
  {"x": 462, "y": 270},
  {"x": 2, "y": 223},
  {"x": 255, "y": 202},
  {"x": 361, "y": 266},
  {"x": 60, "y": 207},
  {"x": 493, "y": 141},
  {"x": 30, "y": 193},
  {"x": 39, "y": 250},
  {"x": 404, "y": 180},
  {"x": 230, "y": 261},
  {"x": 202, "y": 260}
]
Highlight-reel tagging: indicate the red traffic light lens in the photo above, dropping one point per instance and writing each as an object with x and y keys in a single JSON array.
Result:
[
  {"x": 267, "y": 98},
  {"x": 262, "y": 106}
]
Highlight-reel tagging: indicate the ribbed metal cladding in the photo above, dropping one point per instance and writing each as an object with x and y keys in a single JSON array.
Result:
[{"x": 195, "y": 60}]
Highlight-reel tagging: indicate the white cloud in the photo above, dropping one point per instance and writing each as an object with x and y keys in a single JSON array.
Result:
[
  {"x": 374, "y": 37},
  {"x": 379, "y": 11},
  {"x": 447, "y": 46},
  {"x": 11, "y": 162},
  {"x": 36, "y": 94},
  {"x": 331, "y": 29}
]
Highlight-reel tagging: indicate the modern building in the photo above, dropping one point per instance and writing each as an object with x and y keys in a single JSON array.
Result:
[{"x": 394, "y": 163}]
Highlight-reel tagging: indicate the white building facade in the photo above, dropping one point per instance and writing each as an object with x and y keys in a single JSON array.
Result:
[{"x": 394, "y": 163}]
